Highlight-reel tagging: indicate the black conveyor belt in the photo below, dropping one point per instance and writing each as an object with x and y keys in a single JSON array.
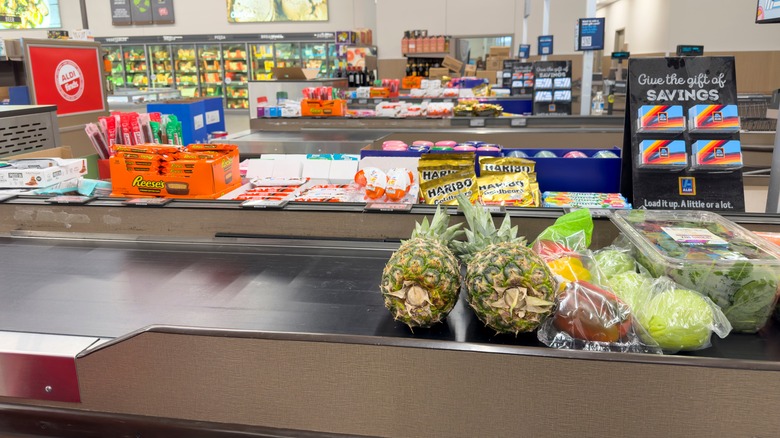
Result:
[{"x": 107, "y": 288}]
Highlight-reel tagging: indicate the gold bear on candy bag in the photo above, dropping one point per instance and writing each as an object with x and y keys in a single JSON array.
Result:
[{"x": 514, "y": 189}]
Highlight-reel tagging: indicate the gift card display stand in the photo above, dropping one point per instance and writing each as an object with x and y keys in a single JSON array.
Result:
[
  {"x": 681, "y": 143},
  {"x": 552, "y": 88}
]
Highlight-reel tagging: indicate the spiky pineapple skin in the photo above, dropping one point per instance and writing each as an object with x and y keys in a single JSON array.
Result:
[
  {"x": 507, "y": 265},
  {"x": 431, "y": 265}
]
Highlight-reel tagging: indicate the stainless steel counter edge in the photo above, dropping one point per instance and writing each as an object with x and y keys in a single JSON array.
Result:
[{"x": 670, "y": 360}]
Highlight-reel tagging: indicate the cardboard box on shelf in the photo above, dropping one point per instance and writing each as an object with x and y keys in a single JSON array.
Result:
[
  {"x": 190, "y": 112},
  {"x": 490, "y": 75},
  {"x": 470, "y": 70},
  {"x": 452, "y": 64},
  {"x": 499, "y": 51},
  {"x": 438, "y": 73},
  {"x": 203, "y": 179},
  {"x": 323, "y": 108},
  {"x": 496, "y": 62},
  {"x": 38, "y": 172}
]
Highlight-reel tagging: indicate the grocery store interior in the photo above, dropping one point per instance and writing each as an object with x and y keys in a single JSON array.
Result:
[{"x": 389, "y": 218}]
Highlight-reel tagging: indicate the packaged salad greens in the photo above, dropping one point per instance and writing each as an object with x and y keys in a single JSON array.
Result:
[{"x": 708, "y": 254}]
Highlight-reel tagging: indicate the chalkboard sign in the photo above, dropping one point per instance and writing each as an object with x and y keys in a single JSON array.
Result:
[
  {"x": 120, "y": 13},
  {"x": 162, "y": 12},
  {"x": 552, "y": 87},
  {"x": 141, "y": 11},
  {"x": 682, "y": 132}
]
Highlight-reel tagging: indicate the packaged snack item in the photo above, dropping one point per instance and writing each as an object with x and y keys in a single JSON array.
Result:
[
  {"x": 146, "y": 149},
  {"x": 399, "y": 182},
  {"x": 663, "y": 118},
  {"x": 434, "y": 166},
  {"x": 585, "y": 200},
  {"x": 498, "y": 165},
  {"x": 605, "y": 154},
  {"x": 445, "y": 190},
  {"x": 545, "y": 154},
  {"x": 515, "y": 189},
  {"x": 663, "y": 154},
  {"x": 376, "y": 183},
  {"x": 716, "y": 154},
  {"x": 517, "y": 154},
  {"x": 155, "y": 128},
  {"x": 713, "y": 118},
  {"x": 446, "y": 143},
  {"x": 209, "y": 147},
  {"x": 575, "y": 154},
  {"x": 465, "y": 148}
]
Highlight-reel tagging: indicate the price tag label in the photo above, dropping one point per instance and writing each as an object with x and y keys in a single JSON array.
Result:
[
  {"x": 518, "y": 123},
  {"x": 362, "y": 101},
  {"x": 264, "y": 203},
  {"x": 377, "y": 101},
  {"x": 147, "y": 202},
  {"x": 76, "y": 200},
  {"x": 495, "y": 209},
  {"x": 380, "y": 206},
  {"x": 447, "y": 100},
  {"x": 477, "y": 123}
]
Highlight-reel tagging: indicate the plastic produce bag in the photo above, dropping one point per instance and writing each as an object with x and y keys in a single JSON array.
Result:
[
  {"x": 678, "y": 319},
  {"x": 577, "y": 223},
  {"x": 589, "y": 317},
  {"x": 613, "y": 261}
]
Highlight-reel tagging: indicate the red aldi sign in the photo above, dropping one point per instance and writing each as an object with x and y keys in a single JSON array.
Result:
[{"x": 69, "y": 77}]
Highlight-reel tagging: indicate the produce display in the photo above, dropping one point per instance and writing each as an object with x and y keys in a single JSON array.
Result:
[
  {"x": 421, "y": 282},
  {"x": 708, "y": 254}
]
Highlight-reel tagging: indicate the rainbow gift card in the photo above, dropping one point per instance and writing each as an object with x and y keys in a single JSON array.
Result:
[
  {"x": 716, "y": 154},
  {"x": 663, "y": 154},
  {"x": 661, "y": 118},
  {"x": 720, "y": 118}
]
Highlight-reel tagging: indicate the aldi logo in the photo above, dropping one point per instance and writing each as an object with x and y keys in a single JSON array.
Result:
[{"x": 687, "y": 186}]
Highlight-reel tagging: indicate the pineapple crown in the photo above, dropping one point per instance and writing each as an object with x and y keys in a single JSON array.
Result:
[
  {"x": 438, "y": 228},
  {"x": 482, "y": 231}
]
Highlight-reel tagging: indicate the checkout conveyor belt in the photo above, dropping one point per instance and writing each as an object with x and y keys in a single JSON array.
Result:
[{"x": 111, "y": 288}]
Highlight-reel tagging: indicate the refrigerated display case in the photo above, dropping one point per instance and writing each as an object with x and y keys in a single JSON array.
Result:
[
  {"x": 220, "y": 65},
  {"x": 185, "y": 69},
  {"x": 210, "y": 66},
  {"x": 262, "y": 61},
  {"x": 136, "y": 69},
  {"x": 315, "y": 55},
  {"x": 288, "y": 55},
  {"x": 236, "y": 66},
  {"x": 160, "y": 66},
  {"x": 117, "y": 76}
]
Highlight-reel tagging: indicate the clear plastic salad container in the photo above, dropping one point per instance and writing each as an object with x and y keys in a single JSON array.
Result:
[{"x": 702, "y": 251}]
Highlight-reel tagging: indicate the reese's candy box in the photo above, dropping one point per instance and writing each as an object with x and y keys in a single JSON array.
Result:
[
  {"x": 503, "y": 165},
  {"x": 445, "y": 190},
  {"x": 515, "y": 189}
]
